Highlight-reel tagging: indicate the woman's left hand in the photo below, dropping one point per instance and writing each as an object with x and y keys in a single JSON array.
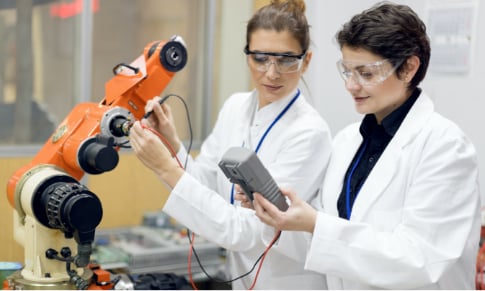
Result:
[{"x": 299, "y": 216}]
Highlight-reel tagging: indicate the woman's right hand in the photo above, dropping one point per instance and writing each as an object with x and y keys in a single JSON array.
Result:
[
  {"x": 162, "y": 121},
  {"x": 153, "y": 153},
  {"x": 242, "y": 197}
]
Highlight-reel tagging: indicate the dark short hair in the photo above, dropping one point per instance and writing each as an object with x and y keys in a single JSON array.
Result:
[{"x": 392, "y": 31}]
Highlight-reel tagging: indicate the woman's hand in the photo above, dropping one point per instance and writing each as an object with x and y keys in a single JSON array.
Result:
[
  {"x": 242, "y": 197},
  {"x": 162, "y": 121},
  {"x": 153, "y": 153},
  {"x": 299, "y": 216}
]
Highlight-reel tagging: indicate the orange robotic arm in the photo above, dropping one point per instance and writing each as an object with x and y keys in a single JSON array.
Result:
[
  {"x": 126, "y": 94},
  {"x": 46, "y": 194}
]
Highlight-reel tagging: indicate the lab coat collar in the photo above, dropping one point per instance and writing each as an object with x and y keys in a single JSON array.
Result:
[
  {"x": 262, "y": 117},
  {"x": 415, "y": 121},
  {"x": 390, "y": 160},
  {"x": 392, "y": 122}
]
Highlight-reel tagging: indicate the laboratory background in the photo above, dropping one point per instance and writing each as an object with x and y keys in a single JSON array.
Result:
[{"x": 57, "y": 54}]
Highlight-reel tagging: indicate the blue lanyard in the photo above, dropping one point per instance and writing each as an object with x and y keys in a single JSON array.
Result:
[
  {"x": 349, "y": 178},
  {"x": 268, "y": 130}
]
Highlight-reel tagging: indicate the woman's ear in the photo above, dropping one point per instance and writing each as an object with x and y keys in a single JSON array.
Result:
[
  {"x": 410, "y": 68},
  {"x": 306, "y": 61}
]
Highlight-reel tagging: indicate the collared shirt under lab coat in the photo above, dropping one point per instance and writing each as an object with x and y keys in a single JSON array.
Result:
[
  {"x": 296, "y": 152},
  {"x": 415, "y": 222}
]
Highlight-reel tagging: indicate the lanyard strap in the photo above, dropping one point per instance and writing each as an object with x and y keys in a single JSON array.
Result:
[
  {"x": 276, "y": 120},
  {"x": 349, "y": 179},
  {"x": 268, "y": 130}
]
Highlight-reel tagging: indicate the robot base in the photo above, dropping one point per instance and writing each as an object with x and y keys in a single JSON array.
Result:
[{"x": 100, "y": 280}]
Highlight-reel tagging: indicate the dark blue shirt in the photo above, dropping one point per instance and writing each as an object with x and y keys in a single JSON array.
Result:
[{"x": 375, "y": 139}]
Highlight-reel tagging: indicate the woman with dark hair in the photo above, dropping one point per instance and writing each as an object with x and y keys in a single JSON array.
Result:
[
  {"x": 275, "y": 121},
  {"x": 400, "y": 200}
]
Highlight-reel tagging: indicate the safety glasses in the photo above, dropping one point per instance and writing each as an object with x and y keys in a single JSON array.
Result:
[
  {"x": 367, "y": 74},
  {"x": 284, "y": 63}
]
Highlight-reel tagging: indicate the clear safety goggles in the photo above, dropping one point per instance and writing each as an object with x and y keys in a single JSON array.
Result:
[
  {"x": 284, "y": 63},
  {"x": 369, "y": 74}
]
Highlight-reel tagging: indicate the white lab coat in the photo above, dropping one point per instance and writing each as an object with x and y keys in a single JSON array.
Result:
[
  {"x": 296, "y": 152},
  {"x": 415, "y": 223}
]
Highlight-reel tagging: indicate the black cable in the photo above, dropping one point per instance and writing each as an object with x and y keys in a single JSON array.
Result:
[
  {"x": 189, "y": 148},
  {"x": 160, "y": 102},
  {"x": 188, "y": 230},
  {"x": 189, "y": 123},
  {"x": 234, "y": 279},
  {"x": 124, "y": 145}
]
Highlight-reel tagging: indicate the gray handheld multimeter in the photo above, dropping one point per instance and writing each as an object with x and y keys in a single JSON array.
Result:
[{"x": 242, "y": 166}]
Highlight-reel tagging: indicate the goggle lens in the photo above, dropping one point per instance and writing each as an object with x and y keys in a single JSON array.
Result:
[
  {"x": 369, "y": 74},
  {"x": 284, "y": 64}
]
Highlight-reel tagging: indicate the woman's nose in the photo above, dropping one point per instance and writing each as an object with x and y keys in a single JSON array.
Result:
[
  {"x": 272, "y": 71},
  {"x": 351, "y": 84}
]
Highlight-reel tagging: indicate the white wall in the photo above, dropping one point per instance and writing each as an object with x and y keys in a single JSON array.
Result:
[
  {"x": 233, "y": 69},
  {"x": 461, "y": 99}
]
